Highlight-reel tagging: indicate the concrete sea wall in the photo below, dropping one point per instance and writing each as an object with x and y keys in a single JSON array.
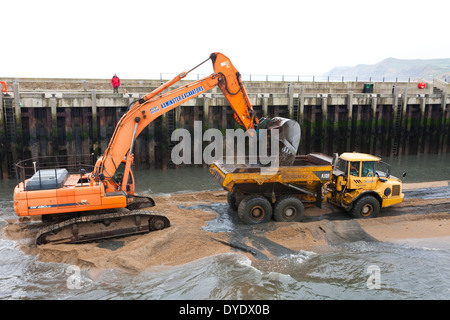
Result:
[{"x": 43, "y": 117}]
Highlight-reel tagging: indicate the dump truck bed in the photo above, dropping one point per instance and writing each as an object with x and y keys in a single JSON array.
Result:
[{"x": 307, "y": 172}]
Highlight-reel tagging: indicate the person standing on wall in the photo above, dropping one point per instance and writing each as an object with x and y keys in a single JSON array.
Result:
[{"x": 115, "y": 82}]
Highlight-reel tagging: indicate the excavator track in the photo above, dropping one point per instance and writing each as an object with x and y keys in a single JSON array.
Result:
[{"x": 101, "y": 226}]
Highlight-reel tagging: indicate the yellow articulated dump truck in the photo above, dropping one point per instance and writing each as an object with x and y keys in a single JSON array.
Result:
[{"x": 360, "y": 183}]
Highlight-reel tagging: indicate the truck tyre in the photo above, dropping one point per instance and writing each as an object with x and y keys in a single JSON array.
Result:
[
  {"x": 366, "y": 207},
  {"x": 255, "y": 210},
  {"x": 231, "y": 199},
  {"x": 288, "y": 208}
]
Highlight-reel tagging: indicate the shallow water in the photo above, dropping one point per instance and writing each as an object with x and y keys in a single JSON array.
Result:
[
  {"x": 412, "y": 269},
  {"x": 406, "y": 272}
]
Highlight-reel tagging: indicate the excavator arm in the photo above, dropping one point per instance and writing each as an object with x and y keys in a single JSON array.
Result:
[
  {"x": 233, "y": 89},
  {"x": 154, "y": 104}
]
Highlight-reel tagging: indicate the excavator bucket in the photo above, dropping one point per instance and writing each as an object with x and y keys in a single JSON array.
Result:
[{"x": 289, "y": 135}]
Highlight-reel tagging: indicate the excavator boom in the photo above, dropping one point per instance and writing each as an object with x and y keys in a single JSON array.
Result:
[
  {"x": 152, "y": 105},
  {"x": 141, "y": 114}
]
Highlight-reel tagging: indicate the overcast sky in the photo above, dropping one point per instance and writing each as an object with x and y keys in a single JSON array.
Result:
[{"x": 141, "y": 39}]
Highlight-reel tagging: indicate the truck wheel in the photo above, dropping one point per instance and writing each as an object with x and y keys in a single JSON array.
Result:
[
  {"x": 366, "y": 207},
  {"x": 288, "y": 208},
  {"x": 231, "y": 199},
  {"x": 255, "y": 210}
]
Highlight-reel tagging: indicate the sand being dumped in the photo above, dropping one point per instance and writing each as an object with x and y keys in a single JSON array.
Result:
[{"x": 197, "y": 230}]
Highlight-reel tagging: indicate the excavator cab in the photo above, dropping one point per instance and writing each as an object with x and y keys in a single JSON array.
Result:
[{"x": 118, "y": 178}]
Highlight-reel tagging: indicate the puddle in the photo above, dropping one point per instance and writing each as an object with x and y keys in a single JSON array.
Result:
[{"x": 112, "y": 245}]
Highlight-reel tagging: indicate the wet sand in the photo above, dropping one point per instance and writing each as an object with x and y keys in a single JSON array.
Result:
[{"x": 186, "y": 240}]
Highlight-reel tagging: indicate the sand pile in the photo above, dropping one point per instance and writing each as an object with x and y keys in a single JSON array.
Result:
[
  {"x": 186, "y": 241},
  {"x": 183, "y": 242}
]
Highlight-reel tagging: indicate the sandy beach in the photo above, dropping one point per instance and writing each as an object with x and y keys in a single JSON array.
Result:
[{"x": 187, "y": 240}]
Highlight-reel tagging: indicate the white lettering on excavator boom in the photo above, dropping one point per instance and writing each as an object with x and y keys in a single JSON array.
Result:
[{"x": 181, "y": 97}]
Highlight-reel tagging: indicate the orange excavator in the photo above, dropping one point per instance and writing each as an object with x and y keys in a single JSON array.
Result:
[{"x": 85, "y": 206}]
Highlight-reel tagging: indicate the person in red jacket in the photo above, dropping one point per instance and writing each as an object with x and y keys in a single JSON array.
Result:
[{"x": 115, "y": 82}]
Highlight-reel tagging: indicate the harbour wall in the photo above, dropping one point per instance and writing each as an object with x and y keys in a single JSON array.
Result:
[{"x": 42, "y": 117}]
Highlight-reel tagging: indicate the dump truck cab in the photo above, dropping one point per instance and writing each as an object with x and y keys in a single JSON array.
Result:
[{"x": 362, "y": 184}]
